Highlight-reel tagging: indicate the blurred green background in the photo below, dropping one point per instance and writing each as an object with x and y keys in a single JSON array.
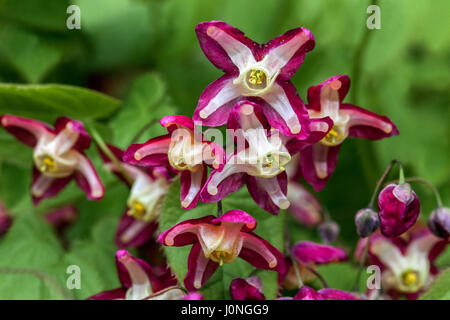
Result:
[{"x": 145, "y": 53}]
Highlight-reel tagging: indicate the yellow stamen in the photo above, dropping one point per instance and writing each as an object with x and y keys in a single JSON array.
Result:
[
  {"x": 136, "y": 210},
  {"x": 257, "y": 78},
  {"x": 48, "y": 164},
  {"x": 333, "y": 136},
  {"x": 410, "y": 277}
]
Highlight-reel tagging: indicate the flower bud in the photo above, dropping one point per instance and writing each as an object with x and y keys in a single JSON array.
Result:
[
  {"x": 399, "y": 209},
  {"x": 328, "y": 231},
  {"x": 5, "y": 220},
  {"x": 439, "y": 222},
  {"x": 367, "y": 222}
]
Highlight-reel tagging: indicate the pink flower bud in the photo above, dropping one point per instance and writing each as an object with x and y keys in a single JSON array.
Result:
[
  {"x": 328, "y": 231},
  {"x": 399, "y": 209}
]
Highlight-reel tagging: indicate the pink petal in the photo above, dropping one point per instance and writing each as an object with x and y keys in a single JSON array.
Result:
[
  {"x": 191, "y": 185},
  {"x": 135, "y": 271},
  {"x": 83, "y": 141},
  {"x": 183, "y": 233},
  {"x": 396, "y": 216},
  {"x": 368, "y": 125},
  {"x": 240, "y": 289},
  {"x": 304, "y": 206},
  {"x": 229, "y": 180},
  {"x": 132, "y": 232},
  {"x": 269, "y": 193},
  {"x": 237, "y": 216},
  {"x": 43, "y": 187},
  {"x": 335, "y": 294},
  {"x": 174, "y": 122},
  {"x": 217, "y": 101},
  {"x": 260, "y": 253},
  {"x": 285, "y": 110},
  {"x": 200, "y": 269},
  {"x": 151, "y": 153},
  {"x": 25, "y": 130},
  {"x": 87, "y": 178},
  {"x": 318, "y": 159},
  {"x": 307, "y": 293},
  {"x": 314, "y": 93},
  {"x": 225, "y": 46},
  {"x": 287, "y": 51},
  {"x": 307, "y": 251}
]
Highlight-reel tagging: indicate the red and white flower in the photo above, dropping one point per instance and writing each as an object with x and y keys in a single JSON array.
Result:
[
  {"x": 58, "y": 155},
  {"x": 219, "y": 240}
]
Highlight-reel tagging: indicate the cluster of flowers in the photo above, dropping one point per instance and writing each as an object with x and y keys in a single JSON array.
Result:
[{"x": 276, "y": 138}]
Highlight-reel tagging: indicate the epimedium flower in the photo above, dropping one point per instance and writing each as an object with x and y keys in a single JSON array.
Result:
[
  {"x": 406, "y": 262},
  {"x": 259, "y": 162},
  {"x": 58, "y": 156},
  {"x": 253, "y": 70},
  {"x": 399, "y": 208},
  {"x": 219, "y": 240},
  {"x": 307, "y": 293},
  {"x": 326, "y": 100},
  {"x": 247, "y": 289},
  {"x": 138, "y": 281},
  {"x": 149, "y": 187},
  {"x": 307, "y": 255},
  {"x": 183, "y": 150}
]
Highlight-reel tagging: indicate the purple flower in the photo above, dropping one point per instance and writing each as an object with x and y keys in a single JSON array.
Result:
[
  {"x": 58, "y": 156},
  {"x": 137, "y": 279},
  {"x": 218, "y": 240},
  {"x": 253, "y": 70},
  {"x": 307, "y": 256},
  {"x": 399, "y": 208},
  {"x": 150, "y": 185},
  {"x": 247, "y": 289},
  {"x": 325, "y": 100},
  {"x": 184, "y": 151}
]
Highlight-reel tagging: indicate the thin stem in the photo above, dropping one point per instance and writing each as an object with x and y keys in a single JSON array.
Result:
[
  {"x": 102, "y": 145},
  {"x": 382, "y": 178},
  {"x": 297, "y": 273},
  {"x": 361, "y": 264},
  {"x": 429, "y": 185},
  {"x": 219, "y": 208},
  {"x": 318, "y": 275},
  {"x": 43, "y": 277}
]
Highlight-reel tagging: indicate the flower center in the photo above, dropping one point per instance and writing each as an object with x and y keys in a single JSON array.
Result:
[
  {"x": 334, "y": 137},
  {"x": 137, "y": 209},
  {"x": 410, "y": 278},
  {"x": 47, "y": 164},
  {"x": 221, "y": 257},
  {"x": 256, "y": 79}
]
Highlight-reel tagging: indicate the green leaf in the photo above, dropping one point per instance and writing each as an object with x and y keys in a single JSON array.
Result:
[
  {"x": 48, "y": 15},
  {"x": 13, "y": 152},
  {"x": 440, "y": 288},
  {"x": 270, "y": 227},
  {"x": 27, "y": 249},
  {"x": 46, "y": 102},
  {"x": 145, "y": 103},
  {"x": 31, "y": 55}
]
